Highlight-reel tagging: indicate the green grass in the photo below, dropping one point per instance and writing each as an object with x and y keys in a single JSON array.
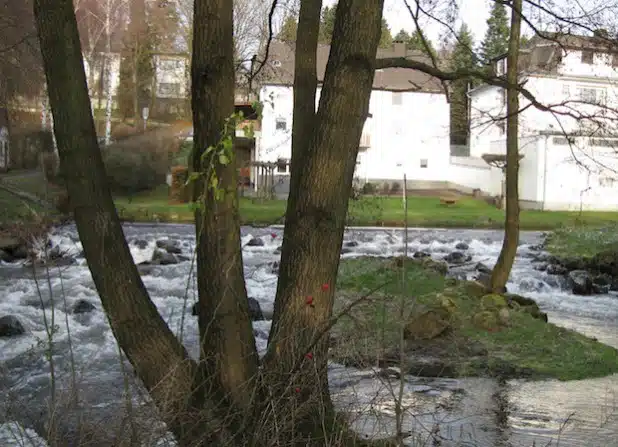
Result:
[
  {"x": 423, "y": 211},
  {"x": 524, "y": 346},
  {"x": 15, "y": 209},
  {"x": 583, "y": 241}
]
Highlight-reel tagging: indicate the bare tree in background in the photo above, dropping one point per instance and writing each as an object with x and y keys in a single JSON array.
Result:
[{"x": 20, "y": 64}]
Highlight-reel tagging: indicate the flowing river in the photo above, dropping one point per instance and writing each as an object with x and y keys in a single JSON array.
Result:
[{"x": 441, "y": 411}]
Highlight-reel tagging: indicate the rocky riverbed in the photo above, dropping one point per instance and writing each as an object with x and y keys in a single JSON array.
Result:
[{"x": 509, "y": 413}]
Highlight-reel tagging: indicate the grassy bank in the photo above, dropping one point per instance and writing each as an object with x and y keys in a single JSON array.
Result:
[
  {"x": 424, "y": 211},
  {"x": 16, "y": 209},
  {"x": 583, "y": 241},
  {"x": 453, "y": 328}
]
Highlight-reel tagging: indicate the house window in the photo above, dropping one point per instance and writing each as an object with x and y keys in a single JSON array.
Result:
[
  {"x": 592, "y": 95},
  {"x": 566, "y": 91},
  {"x": 561, "y": 141},
  {"x": 397, "y": 98},
  {"x": 169, "y": 89},
  {"x": 587, "y": 57},
  {"x": 424, "y": 163},
  {"x": 603, "y": 142},
  {"x": 281, "y": 124}
]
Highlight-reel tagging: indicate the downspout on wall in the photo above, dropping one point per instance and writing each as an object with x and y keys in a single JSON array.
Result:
[{"x": 545, "y": 149}]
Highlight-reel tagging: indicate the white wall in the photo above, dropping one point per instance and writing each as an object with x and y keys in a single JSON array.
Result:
[
  {"x": 171, "y": 76},
  {"x": 475, "y": 173},
  {"x": 569, "y": 111},
  {"x": 403, "y": 136},
  {"x": 580, "y": 175}
]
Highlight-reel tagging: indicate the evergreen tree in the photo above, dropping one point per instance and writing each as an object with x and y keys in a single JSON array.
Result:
[
  {"x": 386, "y": 38},
  {"x": 462, "y": 57},
  {"x": 416, "y": 43},
  {"x": 402, "y": 36},
  {"x": 288, "y": 29},
  {"x": 496, "y": 38},
  {"x": 327, "y": 25}
]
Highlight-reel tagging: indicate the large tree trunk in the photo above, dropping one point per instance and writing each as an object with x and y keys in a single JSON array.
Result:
[
  {"x": 315, "y": 222},
  {"x": 305, "y": 85},
  {"x": 502, "y": 270},
  {"x": 227, "y": 343},
  {"x": 159, "y": 359}
]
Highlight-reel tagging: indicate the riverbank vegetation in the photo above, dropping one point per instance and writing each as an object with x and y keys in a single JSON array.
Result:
[
  {"x": 453, "y": 328},
  {"x": 423, "y": 211}
]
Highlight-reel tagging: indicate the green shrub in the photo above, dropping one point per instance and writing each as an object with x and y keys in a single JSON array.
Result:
[
  {"x": 130, "y": 171},
  {"x": 369, "y": 188}
]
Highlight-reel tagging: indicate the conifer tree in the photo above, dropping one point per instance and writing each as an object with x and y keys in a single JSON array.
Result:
[{"x": 496, "y": 38}]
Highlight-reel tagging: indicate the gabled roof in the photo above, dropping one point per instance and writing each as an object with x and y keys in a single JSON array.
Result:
[
  {"x": 279, "y": 70},
  {"x": 544, "y": 54}
]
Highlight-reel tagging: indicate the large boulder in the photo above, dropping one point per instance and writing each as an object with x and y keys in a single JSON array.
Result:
[
  {"x": 525, "y": 304},
  {"x": 581, "y": 283},
  {"x": 428, "y": 323},
  {"x": 457, "y": 257},
  {"x": 10, "y": 326},
  {"x": 170, "y": 246},
  {"x": 255, "y": 242},
  {"x": 162, "y": 257}
]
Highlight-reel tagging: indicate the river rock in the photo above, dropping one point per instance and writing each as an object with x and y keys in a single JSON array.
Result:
[
  {"x": 140, "y": 243},
  {"x": 462, "y": 246},
  {"x": 274, "y": 267},
  {"x": 278, "y": 250},
  {"x": 457, "y": 257},
  {"x": 255, "y": 242},
  {"x": 421, "y": 254},
  {"x": 482, "y": 268},
  {"x": 346, "y": 250},
  {"x": 82, "y": 307},
  {"x": 427, "y": 324},
  {"x": 525, "y": 304},
  {"x": 10, "y": 326},
  {"x": 602, "y": 283},
  {"x": 255, "y": 311},
  {"x": 169, "y": 246},
  {"x": 161, "y": 257},
  {"x": 5, "y": 256},
  {"x": 350, "y": 244},
  {"x": 580, "y": 282},
  {"x": 539, "y": 266},
  {"x": 556, "y": 269}
]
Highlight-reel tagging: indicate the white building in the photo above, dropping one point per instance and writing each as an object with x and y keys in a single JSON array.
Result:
[
  {"x": 407, "y": 129},
  {"x": 569, "y": 161}
]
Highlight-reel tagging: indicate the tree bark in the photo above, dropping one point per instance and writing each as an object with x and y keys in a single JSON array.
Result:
[
  {"x": 305, "y": 85},
  {"x": 502, "y": 269},
  {"x": 315, "y": 222},
  {"x": 159, "y": 359},
  {"x": 228, "y": 349}
]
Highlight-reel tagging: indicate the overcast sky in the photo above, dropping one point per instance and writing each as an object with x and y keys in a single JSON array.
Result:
[{"x": 473, "y": 12}]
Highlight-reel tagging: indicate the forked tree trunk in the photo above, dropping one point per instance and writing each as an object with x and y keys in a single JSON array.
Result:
[
  {"x": 227, "y": 343},
  {"x": 159, "y": 359},
  {"x": 502, "y": 269},
  {"x": 315, "y": 222}
]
